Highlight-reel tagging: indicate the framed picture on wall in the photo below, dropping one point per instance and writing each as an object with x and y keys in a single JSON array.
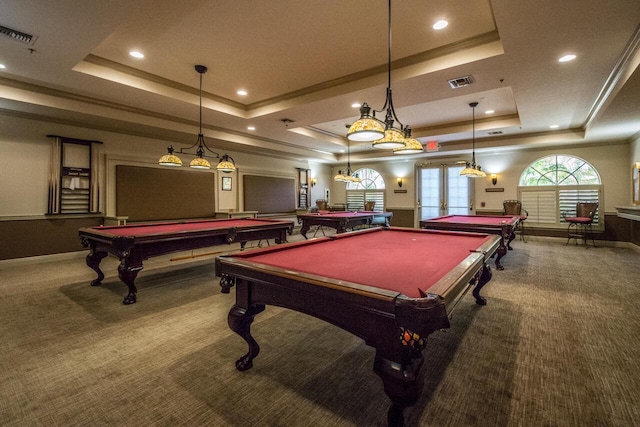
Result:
[
  {"x": 635, "y": 183},
  {"x": 226, "y": 183}
]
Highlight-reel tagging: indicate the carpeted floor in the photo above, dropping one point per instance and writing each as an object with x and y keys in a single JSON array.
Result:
[{"x": 557, "y": 345}]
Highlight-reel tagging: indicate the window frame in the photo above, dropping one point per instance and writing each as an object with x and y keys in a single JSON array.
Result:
[
  {"x": 547, "y": 203},
  {"x": 372, "y": 188}
]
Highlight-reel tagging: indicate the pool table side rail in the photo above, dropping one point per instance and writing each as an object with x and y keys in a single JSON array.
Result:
[
  {"x": 102, "y": 233},
  {"x": 448, "y": 287},
  {"x": 248, "y": 270},
  {"x": 440, "y": 288},
  {"x": 326, "y": 220},
  {"x": 469, "y": 227},
  {"x": 163, "y": 243},
  {"x": 455, "y": 283}
]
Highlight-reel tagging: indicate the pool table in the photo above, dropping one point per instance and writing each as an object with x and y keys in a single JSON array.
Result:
[
  {"x": 504, "y": 226},
  {"x": 134, "y": 243},
  {"x": 342, "y": 220},
  {"x": 390, "y": 286}
]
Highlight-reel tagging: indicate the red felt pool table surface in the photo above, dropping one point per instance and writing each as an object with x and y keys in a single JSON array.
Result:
[
  {"x": 476, "y": 219},
  {"x": 402, "y": 260},
  {"x": 342, "y": 221},
  {"x": 504, "y": 226},
  {"x": 341, "y": 214},
  {"x": 148, "y": 229}
]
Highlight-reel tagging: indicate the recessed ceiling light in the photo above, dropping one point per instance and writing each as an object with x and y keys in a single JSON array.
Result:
[
  {"x": 567, "y": 58},
  {"x": 554, "y": 126},
  {"x": 355, "y": 105},
  {"x": 2, "y": 66},
  {"x": 440, "y": 24},
  {"x": 242, "y": 92},
  {"x": 136, "y": 54},
  {"x": 489, "y": 112},
  {"x": 251, "y": 128}
]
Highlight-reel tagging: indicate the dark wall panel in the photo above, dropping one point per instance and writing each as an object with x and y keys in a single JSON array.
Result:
[
  {"x": 150, "y": 194},
  {"x": 25, "y": 238},
  {"x": 267, "y": 194},
  {"x": 401, "y": 217}
]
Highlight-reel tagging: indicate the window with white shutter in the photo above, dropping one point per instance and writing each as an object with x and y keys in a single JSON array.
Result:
[
  {"x": 553, "y": 185},
  {"x": 541, "y": 206},
  {"x": 370, "y": 189}
]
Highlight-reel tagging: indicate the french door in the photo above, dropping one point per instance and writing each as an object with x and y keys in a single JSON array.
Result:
[{"x": 442, "y": 191}]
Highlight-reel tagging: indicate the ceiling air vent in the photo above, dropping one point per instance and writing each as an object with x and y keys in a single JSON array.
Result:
[
  {"x": 495, "y": 132},
  {"x": 460, "y": 82},
  {"x": 17, "y": 35}
]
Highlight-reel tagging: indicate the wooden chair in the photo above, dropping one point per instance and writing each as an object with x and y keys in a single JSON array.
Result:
[
  {"x": 514, "y": 207},
  {"x": 580, "y": 224},
  {"x": 369, "y": 206},
  {"x": 321, "y": 204}
]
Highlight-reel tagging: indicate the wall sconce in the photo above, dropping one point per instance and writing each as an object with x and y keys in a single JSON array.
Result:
[
  {"x": 314, "y": 181},
  {"x": 399, "y": 180},
  {"x": 638, "y": 165},
  {"x": 494, "y": 178}
]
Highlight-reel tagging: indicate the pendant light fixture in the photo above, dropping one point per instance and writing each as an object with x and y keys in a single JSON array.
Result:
[
  {"x": 226, "y": 163},
  {"x": 472, "y": 170},
  {"x": 384, "y": 134},
  {"x": 339, "y": 177},
  {"x": 348, "y": 176},
  {"x": 412, "y": 146}
]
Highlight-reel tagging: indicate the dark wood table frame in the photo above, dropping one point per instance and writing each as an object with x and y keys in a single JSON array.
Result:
[
  {"x": 506, "y": 231},
  {"x": 133, "y": 250},
  {"x": 385, "y": 319},
  {"x": 342, "y": 221}
]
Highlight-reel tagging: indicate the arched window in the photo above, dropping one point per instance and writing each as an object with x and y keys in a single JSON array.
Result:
[
  {"x": 560, "y": 170},
  {"x": 370, "y": 189},
  {"x": 553, "y": 185}
]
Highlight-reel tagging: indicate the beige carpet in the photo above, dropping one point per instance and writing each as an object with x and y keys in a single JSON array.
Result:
[{"x": 557, "y": 345}]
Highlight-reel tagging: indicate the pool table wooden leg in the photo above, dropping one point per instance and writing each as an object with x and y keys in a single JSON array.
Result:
[
  {"x": 93, "y": 261},
  {"x": 240, "y": 320},
  {"x": 401, "y": 384},
  {"x": 303, "y": 230},
  {"x": 502, "y": 251},
  {"x": 512, "y": 237},
  {"x": 128, "y": 273},
  {"x": 482, "y": 279}
]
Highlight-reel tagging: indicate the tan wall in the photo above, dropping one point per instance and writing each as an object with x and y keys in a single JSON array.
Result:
[
  {"x": 25, "y": 164},
  {"x": 612, "y": 162}
]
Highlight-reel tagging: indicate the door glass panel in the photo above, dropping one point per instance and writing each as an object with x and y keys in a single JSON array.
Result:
[
  {"x": 457, "y": 192},
  {"x": 430, "y": 192},
  {"x": 444, "y": 192}
]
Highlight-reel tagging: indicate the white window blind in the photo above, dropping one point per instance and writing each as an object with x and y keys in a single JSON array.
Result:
[
  {"x": 546, "y": 206},
  {"x": 357, "y": 198},
  {"x": 569, "y": 197},
  {"x": 541, "y": 206}
]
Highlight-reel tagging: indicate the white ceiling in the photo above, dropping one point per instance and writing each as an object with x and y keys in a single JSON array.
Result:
[{"x": 308, "y": 61}]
